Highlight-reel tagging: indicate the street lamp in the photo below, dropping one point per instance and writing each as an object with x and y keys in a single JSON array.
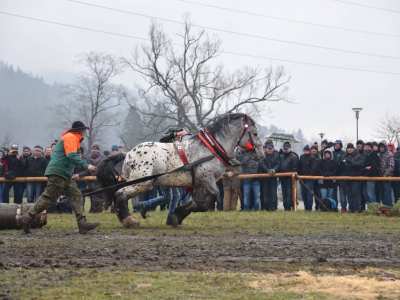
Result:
[
  {"x": 322, "y": 136},
  {"x": 357, "y": 110}
]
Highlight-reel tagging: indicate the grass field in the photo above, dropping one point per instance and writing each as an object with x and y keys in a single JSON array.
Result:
[{"x": 258, "y": 279}]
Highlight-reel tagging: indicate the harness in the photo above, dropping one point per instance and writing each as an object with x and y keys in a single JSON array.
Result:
[{"x": 184, "y": 159}]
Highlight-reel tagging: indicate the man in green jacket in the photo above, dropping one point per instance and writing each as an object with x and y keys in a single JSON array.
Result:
[{"x": 59, "y": 173}]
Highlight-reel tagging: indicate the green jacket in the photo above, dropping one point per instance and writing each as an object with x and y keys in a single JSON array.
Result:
[{"x": 65, "y": 157}]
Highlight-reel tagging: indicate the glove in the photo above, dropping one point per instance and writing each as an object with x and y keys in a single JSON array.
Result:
[
  {"x": 271, "y": 172},
  {"x": 368, "y": 168}
]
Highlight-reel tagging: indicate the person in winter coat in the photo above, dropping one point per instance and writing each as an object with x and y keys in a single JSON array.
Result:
[
  {"x": 386, "y": 169},
  {"x": 396, "y": 173},
  {"x": 231, "y": 186},
  {"x": 15, "y": 163},
  {"x": 371, "y": 169},
  {"x": 36, "y": 165},
  {"x": 288, "y": 161},
  {"x": 269, "y": 186},
  {"x": 59, "y": 173},
  {"x": 327, "y": 167},
  {"x": 249, "y": 166},
  {"x": 352, "y": 165},
  {"x": 338, "y": 153},
  {"x": 308, "y": 166},
  {"x": 2, "y": 170}
]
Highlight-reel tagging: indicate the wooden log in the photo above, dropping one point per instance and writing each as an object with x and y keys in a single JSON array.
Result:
[{"x": 9, "y": 212}]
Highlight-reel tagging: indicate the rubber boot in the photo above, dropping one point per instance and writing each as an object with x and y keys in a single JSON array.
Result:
[
  {"x": 85, "y": 227},
  {"x": 25, "y": 222}
]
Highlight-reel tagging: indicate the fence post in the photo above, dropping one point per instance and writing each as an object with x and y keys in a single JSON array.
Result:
[{"x": 294, "y": 191}]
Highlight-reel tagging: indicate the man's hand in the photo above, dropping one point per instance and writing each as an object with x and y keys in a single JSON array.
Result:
[
  {"x": 181, "y": 133},
  {"x": 92, "y": 168},
  {"x": 75, "y": 176},
  {"x": 271, "y": 172}
]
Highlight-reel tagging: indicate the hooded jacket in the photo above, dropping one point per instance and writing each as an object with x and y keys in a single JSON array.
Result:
[
  {"x": 386, "y": 161},
  {"x": 352, "y": 164},
  {"x": 327, "y": 167}
]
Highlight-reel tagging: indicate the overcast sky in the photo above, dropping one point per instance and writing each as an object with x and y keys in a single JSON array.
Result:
[{"x": 324, "y": 96}]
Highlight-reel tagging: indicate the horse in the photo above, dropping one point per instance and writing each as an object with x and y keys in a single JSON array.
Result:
[{"x": 152, "y": 158}]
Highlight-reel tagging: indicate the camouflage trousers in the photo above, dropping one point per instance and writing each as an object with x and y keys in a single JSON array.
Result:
[{"x": 57, "y": 186}]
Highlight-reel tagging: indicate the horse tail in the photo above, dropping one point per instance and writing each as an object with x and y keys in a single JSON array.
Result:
[{"x": 108, "y": 176}]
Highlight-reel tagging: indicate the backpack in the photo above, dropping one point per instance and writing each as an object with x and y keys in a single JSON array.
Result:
[{"x": 329, "y": 203}]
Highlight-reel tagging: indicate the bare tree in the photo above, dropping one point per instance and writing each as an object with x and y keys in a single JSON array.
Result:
[
  {"x": 92, "y": 96},
  {"x": 6, "y": 139},
  {"x": 388, "y": 128},
  {"x": 186, "y": 85}
]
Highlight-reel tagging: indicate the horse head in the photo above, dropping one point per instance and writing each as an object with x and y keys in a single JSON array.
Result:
[{"x": 249, "y": 139}]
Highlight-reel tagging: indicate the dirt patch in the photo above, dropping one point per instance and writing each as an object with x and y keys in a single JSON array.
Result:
[{"x": 241, "y": 253}]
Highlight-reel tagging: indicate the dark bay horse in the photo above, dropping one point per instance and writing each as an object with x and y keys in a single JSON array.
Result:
[{"x": 151, "y": 158}]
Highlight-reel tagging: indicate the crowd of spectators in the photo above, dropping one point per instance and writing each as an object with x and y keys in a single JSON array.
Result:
[{"x": 370, "y": 159}]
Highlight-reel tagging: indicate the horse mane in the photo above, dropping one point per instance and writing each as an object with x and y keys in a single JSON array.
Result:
[{"x": 220, "y": 125}]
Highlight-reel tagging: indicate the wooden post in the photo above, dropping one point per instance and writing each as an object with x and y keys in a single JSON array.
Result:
[{"x": 294, "y": 191}]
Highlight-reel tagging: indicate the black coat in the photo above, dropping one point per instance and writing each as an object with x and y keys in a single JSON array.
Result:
[
  {"x": 16, "y": 165},
  {"x": 371, "y": 160},
  {"x": 288, "y": 162},
  {"x": 327, "y": 168},
  {"x": 308, "y": 165},
  {"x": 269, "y": 162},
  {"x": 35, "y": 167},
  {"x": 352, "y": 164}
]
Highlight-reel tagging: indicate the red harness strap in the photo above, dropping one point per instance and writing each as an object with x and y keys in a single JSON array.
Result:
[
  {"x": 210, "y": 147},
  {"x": 181, "y": 152}
]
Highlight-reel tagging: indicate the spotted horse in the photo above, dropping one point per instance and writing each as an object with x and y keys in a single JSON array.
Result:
[{"x": 220, "y": 138}]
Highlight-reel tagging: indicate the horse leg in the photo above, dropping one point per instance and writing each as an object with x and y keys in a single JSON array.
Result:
[
  {"x": 201, "y": 202},
  {"x": 122, "y": 195}
]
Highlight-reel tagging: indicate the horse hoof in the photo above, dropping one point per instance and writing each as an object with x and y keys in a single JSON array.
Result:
[
  {"x": 131, "y": 222},
  {"x": 176, "y": 221}
]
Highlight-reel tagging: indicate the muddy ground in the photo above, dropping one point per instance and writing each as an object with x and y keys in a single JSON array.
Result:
[{"x": 232, "y": 253}]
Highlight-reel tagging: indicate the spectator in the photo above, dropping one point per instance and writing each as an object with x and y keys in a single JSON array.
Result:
[
  {"x": 96, "y": 201},
  {"x": 47, "y": 153},
  {"x": 371, "y": 169},
  {"x": 231, "y": 186},
  {"x": 324, "y": 145},
  {"x": 375, "y": 146},
  {"x": 114, "y": 149},
  {"x": 352, "y": 164},
  {"x": 269, "y": 186},
  {"x": 36, "y": 165},
  {"x": 308, "y": 166},
  {"x": 249, "y": 166},
  {"x": 396, "y": 173},
  {"x": 318, "y": 156},
  {"x": 106, "y": 153},
  {"x": 95, "y": 149},
  {"x": 288, "y": 161},
  {"x": 53, "y": 144},
  {"x": 121, "y": 149},
  {"x": 338, "y": 154},
  {"x": 327, "y": 167},
  {"x": 16, "y": 164},
  {"x": 59, "y": 173},
  {"x": 26, "y": 152},
  {"x": 6, "y": 150},
  {"x": 2, "y": 170},
  {"x": 360, "y": 148},
  {"x": 386, "y": 169}
]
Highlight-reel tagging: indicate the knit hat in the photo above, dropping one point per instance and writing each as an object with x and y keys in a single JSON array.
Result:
[
  {"x": 95, "y": 146},
  {"x": 78, "y": 126},
  {"x": 95, "y": 155},
  {"x": 26, "y": 147},
  {"x": 306, "y": 148},
  {"x": 369, "y": 144},
  {"x": 114, "y": 148},
  {"x": 324, "y": 142},
  {"x": 38, "y": 147},
  {"x": 374, "y": 143},
  {"x": 315, "y": 146},
  {"x": 350, "y": 145},
  {"x": 360, "y": 142},
  {"x": 14, "y": 146},
  {"x": 286, "y": 145}
]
